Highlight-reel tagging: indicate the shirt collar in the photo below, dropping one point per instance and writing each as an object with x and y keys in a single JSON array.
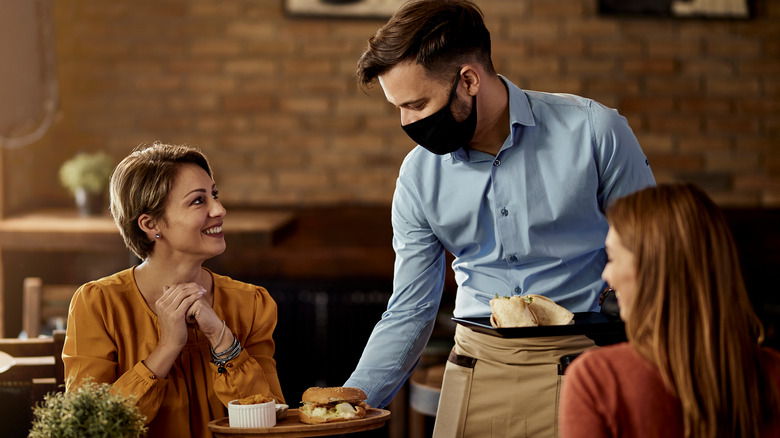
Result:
[
  {"x": 519, "y": 114},
  {"x": 519, "y": 106}
]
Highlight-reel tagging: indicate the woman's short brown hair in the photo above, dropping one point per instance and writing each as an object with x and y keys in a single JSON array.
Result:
[
  {"x": 440, "y": 35},
  {"x": 140, "y": 185}
]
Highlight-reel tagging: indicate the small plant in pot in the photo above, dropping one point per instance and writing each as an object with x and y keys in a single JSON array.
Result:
[
  {"x": 86, "y": 175},
  {"x": 92, "y": 410}
]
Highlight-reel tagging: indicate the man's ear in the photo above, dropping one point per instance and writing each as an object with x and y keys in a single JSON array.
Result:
[
  {"x": 148, "y": 225},
  {"x": 470, "y": 76}
]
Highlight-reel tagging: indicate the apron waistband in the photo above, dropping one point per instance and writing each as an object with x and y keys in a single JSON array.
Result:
[{"x": 517, "y": 351}]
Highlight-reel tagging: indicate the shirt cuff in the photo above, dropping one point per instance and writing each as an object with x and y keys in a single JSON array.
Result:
[{"x": 147, "y": 375}]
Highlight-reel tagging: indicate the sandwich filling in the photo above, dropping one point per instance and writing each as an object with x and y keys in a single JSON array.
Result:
[{"x": 337, "y": 409}]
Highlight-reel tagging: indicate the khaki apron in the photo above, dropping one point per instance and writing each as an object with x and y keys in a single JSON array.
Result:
[{"x": 503, "y": 387}]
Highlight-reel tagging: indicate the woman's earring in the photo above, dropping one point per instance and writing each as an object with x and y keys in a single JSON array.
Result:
[{"x": 156, "y": 236}]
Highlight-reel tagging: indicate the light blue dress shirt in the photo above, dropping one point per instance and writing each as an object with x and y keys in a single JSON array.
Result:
[{"x": 527, "y": 221}]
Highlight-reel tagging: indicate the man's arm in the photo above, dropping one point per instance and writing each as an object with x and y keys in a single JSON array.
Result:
[
  {"x": 399, "y": 338},
  {"x": 622, "y": 166}
]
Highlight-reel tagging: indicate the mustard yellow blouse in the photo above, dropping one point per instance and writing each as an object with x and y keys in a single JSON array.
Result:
[{"x": 111, "y": 330}]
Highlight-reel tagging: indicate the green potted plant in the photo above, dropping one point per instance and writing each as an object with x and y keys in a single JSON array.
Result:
[
  {"x": 86, "y": 175},
  {"x": 92, "y": 410}
]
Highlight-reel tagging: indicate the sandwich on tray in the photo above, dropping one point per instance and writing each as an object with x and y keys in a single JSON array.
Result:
[
  {"x": 527, "y": 311},
  {"x": 326, "y": 405}
]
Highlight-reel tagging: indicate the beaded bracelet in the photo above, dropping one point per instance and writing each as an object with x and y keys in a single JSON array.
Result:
[
  {"x": 220, "y": 359},
  {"x": 232, "y": 346},
  {"x": 220, "y": 363}
]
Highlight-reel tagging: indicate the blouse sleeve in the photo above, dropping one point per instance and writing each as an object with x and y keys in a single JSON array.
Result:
[
  {"x": 254, "y": 370},
  {"x": 580, "y": 410},
  {"x": 90, "y": 351}
]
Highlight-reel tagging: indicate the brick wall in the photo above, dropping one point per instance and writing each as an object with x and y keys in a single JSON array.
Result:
[{"x": 273, "y": 102}]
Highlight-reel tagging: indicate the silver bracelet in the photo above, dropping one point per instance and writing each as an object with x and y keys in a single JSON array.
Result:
[
  {"x": 228, "y": 355},
  {"x": 233, "y": 345}
]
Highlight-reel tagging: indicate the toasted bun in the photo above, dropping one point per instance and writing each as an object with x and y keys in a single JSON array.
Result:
[
  {"x": 308, "y": 419},
  {"x": 333, "y": 395}
]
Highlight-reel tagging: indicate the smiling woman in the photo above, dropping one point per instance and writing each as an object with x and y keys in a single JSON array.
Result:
[
  {"x": 192, "y": 224},
  {"x": 181, "y": 339}
]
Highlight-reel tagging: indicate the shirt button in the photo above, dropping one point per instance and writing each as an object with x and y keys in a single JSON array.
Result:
[
  {"x": 497, "y": 163},
  {"x": 517, "y": 289},
  {"x": 513, "y": 259},
  {"x": 504, "y": 212}
]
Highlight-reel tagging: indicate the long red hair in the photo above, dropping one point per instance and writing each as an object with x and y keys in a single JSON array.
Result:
[{"x": 698, "y": 324}]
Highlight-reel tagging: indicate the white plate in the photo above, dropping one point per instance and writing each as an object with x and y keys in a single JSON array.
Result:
[{"x": 281, "y": 411}]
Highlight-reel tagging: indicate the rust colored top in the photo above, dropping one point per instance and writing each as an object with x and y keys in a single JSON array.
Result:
[
  {"x": 612, "y": 392},
  {"x": 111, "y": 330}
]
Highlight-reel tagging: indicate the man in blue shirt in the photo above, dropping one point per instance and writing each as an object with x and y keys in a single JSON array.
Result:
[{"x": 514, "y": 184}]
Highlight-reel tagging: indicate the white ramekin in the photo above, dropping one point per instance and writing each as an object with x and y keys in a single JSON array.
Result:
[{"x": 256, "y": 415}]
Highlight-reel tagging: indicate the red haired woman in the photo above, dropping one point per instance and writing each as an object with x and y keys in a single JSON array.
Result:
[{"x": 693, "y": 365}]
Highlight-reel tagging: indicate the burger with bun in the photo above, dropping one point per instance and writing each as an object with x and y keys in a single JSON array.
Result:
[{"x": 326, "y": 405}]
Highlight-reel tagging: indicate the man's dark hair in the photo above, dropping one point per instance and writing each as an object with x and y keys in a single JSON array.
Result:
[{"x": 440, "y": 35}]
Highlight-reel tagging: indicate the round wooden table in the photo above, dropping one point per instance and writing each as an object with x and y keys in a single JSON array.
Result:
[{"x": 292, "y": 427}]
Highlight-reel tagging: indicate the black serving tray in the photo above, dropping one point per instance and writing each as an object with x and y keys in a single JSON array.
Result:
[{"x": 594, "y": 325}]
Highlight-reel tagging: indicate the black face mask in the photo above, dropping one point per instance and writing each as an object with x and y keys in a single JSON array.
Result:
[{"x": 440, "y": 133}]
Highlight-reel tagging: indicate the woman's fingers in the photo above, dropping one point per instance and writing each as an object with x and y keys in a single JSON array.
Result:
[
  {"x": 172, "y": 307},
  {"x": 178, "y": 298},
  {"x": 202, "y": 313},
  {"x": 194, "y": 310}
]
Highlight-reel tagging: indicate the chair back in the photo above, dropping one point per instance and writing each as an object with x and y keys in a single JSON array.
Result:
[
  {"x": 37, "y": 359},
  {"x": 29, "y": 369},
  {"x": 45, "y": 306}
]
